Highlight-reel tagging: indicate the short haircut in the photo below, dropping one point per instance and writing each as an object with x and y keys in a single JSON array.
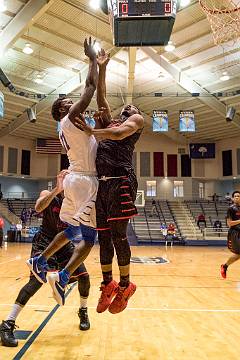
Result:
[
  {"x": 235, "y": 192},
  {"x": 55, "y": 108}
]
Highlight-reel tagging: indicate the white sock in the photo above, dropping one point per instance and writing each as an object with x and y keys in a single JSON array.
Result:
[
  {"x": 83, "y": 302},
  {"x": 16, "y": 309}
]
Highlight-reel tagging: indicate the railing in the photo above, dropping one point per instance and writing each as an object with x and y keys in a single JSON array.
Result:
[
  {"x": 188, "y": 220},
  {"x": 21, "y": 195},
  {"x": 144, "y": 209}
]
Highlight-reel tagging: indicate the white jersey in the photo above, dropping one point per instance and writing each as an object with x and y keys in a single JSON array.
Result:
[{"x": 81, "y": 149}]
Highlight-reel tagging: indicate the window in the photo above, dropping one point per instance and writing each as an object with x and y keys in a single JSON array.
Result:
[
  {"x": 151, "y": 188},
  {"x": 50, "y": 185},
  {"x": 178, "y": 189},
  {"x": 201, "y": 190}
]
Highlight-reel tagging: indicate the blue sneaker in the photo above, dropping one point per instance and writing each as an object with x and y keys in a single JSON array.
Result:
[
  {"x": 58, "y": 287},
  {"x": 39, "y": 271}
]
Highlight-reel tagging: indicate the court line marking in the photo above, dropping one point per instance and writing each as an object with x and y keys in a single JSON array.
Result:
[
  {"x": 136, "y": 308},
  {"x": 33, "y": 337}
]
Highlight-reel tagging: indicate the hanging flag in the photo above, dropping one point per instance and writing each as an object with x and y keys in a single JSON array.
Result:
[
  {"x": 48, "y": 146},
  {"x": 202, "y": 151}
]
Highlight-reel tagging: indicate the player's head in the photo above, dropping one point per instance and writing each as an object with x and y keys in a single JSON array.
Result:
[
  {"x": 60, "y": 108},
  {"x": 236, "y": 197},
  {"x": 128, "y": 111}
]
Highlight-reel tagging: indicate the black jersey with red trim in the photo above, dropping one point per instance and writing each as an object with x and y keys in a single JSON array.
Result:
[
  {"x": 233, "y": 213},
  {"x": 114, "y": 157},
  {"x": 51, "y": 223}
]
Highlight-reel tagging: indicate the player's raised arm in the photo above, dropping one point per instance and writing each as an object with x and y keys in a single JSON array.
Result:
[
  {"x": 46, "y": 196},
  {"x": 91, "y": 82},
  {"x": 103, "y": 60}
]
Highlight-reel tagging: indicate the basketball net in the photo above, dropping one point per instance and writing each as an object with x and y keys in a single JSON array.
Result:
[{"x": 224, "y": 18}]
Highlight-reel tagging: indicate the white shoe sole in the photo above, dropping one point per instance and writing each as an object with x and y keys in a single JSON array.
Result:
[{"x": 52, "y": 279}]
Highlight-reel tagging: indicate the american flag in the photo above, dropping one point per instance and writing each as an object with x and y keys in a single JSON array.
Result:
[{"x": 48, "y": 146}]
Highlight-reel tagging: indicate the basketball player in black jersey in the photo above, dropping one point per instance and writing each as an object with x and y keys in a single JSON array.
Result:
[
  {"x": 233, "y": 221},
  {"x": 49, "y": 203},
  {"x": 116, "y": 193}
]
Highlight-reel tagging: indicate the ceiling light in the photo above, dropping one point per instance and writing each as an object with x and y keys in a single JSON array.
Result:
[
  {"x": 27, "y": 49},
  {"x": 96, "y": 47},
  {"x": 95, "y": 4},
  {"x": 224, "y": 76},
  {"x": 184, "y": 3},
  {"x": 39, "y": 79},
  {"x": 3, "y": 6},
  {"x": 170, "y": 46},
  {"x": 161, "y": 76}
]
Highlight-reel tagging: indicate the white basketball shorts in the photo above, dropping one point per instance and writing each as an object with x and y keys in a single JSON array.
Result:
[{"x": 80, "y": 192}]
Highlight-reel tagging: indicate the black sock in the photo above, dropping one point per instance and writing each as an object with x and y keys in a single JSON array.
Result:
[
  {"x": 124, "y": 281},
  {"x": 107, "y": 277}
]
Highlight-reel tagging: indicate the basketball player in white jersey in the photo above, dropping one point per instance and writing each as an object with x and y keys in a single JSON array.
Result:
[{"x": 80, "y": 185}]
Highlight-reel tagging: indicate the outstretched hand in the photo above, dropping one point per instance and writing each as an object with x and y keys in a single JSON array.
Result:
[
  {"x": 102, "y": 58},
  {"x": 89, "y": 48},
  {"x": 80, "y": 123},
  {"x": 60, "y": 179}
]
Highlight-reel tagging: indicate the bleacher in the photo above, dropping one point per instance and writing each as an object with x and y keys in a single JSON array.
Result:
[
  {"x": 213, "y": 210},
  {"x": 17, "y": 205},
  {"x": 147, "y": 224}
]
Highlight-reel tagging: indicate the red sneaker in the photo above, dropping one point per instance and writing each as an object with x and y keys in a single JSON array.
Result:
[
  {"x": 223, "y": 271},
  {"x": 121, "y": 299},
  {"x": 108, "y": 292}
]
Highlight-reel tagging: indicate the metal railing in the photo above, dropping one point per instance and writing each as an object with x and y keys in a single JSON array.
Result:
[{"x": 21, "y": 195}]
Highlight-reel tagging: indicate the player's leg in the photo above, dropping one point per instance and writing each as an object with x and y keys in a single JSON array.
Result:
[
  {"x": 126, "y": 288},
  {"x": 83, "y": 288},
  {"x": 123, "y": 193},
  {"x": 7, "y": 327},
  {"x": 234, "y": 246},
  {"x": 108, "y": 286},
  {"x": 58, "y": 281}
]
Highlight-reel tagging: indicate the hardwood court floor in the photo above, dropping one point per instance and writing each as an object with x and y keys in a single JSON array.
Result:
[{"x": 181, "y": 310}]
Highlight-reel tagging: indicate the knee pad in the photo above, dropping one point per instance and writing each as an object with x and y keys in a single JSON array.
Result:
[
  {"x": 88, "y": 234},
  {"x": 84, "y": 285},
  {"x": 71, "y": 232},
  {"x": 28, "y": 291}
]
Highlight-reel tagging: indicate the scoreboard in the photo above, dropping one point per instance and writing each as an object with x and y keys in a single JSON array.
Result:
[
  {"x": 145, "y": 8},
  {"x": 142, "y": 22}
]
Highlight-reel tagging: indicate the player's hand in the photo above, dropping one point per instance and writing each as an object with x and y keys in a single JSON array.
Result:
[
  {"x": 88, "y": 48},
  {"x": 80, "y": 123},
  {"x": 60, "y": 178},
  {"x": 102, "y": 58},
  {"x": 99, "y": 114}
]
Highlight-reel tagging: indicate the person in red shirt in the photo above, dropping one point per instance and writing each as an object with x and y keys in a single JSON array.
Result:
[
  {"x": 201, "y": 219},
  {"x": 1, "y": 231},
  {"x": 171, "y": 229}
]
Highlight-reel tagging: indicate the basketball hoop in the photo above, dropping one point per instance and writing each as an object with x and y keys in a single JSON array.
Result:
[{"x": 224, "y": 18}]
